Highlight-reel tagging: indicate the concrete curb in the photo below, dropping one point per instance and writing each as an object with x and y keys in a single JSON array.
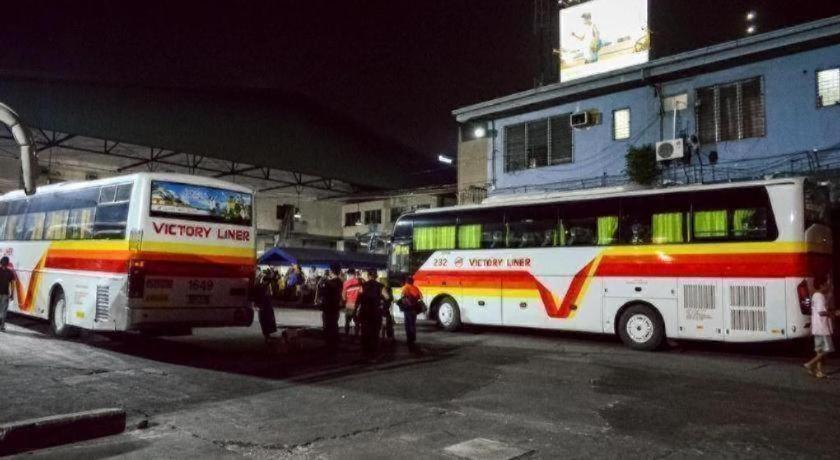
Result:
[{"x": 38, "y": 433}]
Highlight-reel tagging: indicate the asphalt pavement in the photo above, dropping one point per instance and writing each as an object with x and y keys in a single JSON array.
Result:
[{"x": 479, "y": 393}]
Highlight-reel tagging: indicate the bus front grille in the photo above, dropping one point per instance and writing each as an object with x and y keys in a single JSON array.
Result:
[{"x": 103, "y": 303}]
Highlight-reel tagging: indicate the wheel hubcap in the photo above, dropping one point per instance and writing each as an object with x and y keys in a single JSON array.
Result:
[
  {"x": 59, "y": 314},
  {"x": 445, "y": 313},
  {"x": 640, "y": 328}
]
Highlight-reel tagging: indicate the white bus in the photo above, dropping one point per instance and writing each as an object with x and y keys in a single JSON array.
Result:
[
  {"x": 144, "y": 252},
  {"x": 730, "y": 262}
]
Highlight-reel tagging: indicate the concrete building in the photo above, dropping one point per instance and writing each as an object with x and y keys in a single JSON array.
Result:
[{"x": 763, "y": 105}]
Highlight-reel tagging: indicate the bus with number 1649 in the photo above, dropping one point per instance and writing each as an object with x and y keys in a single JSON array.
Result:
[{"x": 150, "y": 252}]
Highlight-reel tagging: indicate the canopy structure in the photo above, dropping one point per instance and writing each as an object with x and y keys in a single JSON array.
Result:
[
  {"x": 323, "y": 258},
  {"x": 270, "y": 139}
]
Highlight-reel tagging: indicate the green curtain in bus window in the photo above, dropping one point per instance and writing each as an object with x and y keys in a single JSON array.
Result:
[
  {"x": 607, "y": 228},
  {"x": 743, "y": 222},
  {"x": 469, "y": 236},
  {"x": 434, "y": 238},
  {"x": 560, "y": 235},
  {"x": 710, "y": 224},
  {"x": 667, "y": 228}
]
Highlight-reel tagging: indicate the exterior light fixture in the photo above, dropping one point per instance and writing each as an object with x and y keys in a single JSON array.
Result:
[
  {"x": 751, "y": 29},
  {"x": 445, "y": 159},
  {"x": 750, "y": 15},
  {"x": 479, "y": 132}
]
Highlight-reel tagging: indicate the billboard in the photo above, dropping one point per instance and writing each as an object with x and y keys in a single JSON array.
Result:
[
  {"x": 602, "y": 35},
  {"x": 199, "y": 202}
]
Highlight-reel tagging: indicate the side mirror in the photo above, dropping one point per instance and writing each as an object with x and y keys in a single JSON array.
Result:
[{"x": 28, "y": 161}]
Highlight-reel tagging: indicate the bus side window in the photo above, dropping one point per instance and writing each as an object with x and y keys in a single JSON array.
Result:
[
  {"x": 56, "y": 227},
  {"x": 123, "y": 193},
  {"x": 34, "y": 226},
  {"x": 110, "y": 221},
  {"x": 532, "y": 226},
  {"x": 481, "y": 229},
  {"x": 80, "y": 223},
  {"x": 107, "y": 194}
]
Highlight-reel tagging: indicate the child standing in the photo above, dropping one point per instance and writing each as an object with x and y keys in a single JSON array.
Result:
[{"x": 821, "y": 327}]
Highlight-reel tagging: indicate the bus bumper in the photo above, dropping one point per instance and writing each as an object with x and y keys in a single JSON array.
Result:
[{"x": 151, "y": 318}]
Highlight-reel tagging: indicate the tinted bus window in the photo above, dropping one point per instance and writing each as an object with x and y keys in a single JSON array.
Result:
[
  {"x": 589, "y": 223},
  {"x": 532, "y": 227},
  {"x": 110, "y": 221}
]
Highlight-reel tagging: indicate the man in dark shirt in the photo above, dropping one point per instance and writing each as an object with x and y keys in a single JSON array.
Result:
[
  {"x": 369, "y": 311},
  {"x": 7, "y": 281},
  {"x": 329, "y": 292}
]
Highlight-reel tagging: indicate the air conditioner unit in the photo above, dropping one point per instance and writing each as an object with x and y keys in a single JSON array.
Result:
[
  {"x": 669, "y": 150},
  {"x": 580, "y": 119}
]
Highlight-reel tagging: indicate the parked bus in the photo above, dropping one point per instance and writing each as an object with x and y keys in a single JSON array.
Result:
[
  {"x": 730, "y": 262},
  {"x": 145, "y": 252}
]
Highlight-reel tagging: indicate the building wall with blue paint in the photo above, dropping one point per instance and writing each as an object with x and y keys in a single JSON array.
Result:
[{"x": 794, "y": 123}]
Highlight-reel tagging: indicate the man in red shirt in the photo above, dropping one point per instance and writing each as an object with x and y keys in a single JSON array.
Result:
[{"x": 350, "y": 295}]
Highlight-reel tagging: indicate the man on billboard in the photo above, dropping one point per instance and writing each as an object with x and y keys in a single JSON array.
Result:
[{"x": 589, "y": 37}]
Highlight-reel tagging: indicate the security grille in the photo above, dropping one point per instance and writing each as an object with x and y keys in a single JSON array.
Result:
[
  {"x": 103, "y": 303},
  {"x": 699, "y": 296},
  {"x": 538, "y": 143},
  {"x": 748, "y": 320},
  {"x": 746, "y": 305},
  {"x": 731, "y": 112}
]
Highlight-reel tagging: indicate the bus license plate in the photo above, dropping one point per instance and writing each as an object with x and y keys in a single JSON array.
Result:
[{"x": 194, "y": 299}]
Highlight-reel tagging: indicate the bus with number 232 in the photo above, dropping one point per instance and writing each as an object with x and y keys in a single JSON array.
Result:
[{"x": 727, "y": 262}]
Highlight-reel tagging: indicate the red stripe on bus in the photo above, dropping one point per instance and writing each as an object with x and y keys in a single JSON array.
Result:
[{"x": 715, "y": 265}]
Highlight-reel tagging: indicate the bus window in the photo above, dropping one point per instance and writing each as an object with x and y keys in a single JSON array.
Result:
[
  {"x": 636, "y": 214},
  {"x": 107, "y": 193},
  {"x": 817, "y": 205},
  {"x": 434, "y": 238},
  {"x": 56, "y": 226},
  {"x": 709, "y": 224},
  {"x": 399, "y": 262},
  {"x": 80, "y": 223},
  {"x": 607, "y": 230},
  {"x": 667, "y": 228},
  {"x": 481, "y": 229},
  {"x": 589, "y": 223},
  {"x": 749, "y": 223},
  {"x": 110, "y": 221},
  {"x": 123, "y": 193},
  {"x": 33, "y": 228},
  {"x": 532, "y": 227}
]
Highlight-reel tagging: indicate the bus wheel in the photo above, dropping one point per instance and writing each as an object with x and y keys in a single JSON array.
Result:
[
  {"x": 640, "y": 328},
  {"x": 58, "y": 316},
  {"x": 448, "y": 314}
]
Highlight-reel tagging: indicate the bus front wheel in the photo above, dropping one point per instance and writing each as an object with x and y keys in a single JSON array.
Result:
[
  {"x": 641, "y": 328},
  {"x": 58, "y": 316},
  {"x": 448, "y": 314}
]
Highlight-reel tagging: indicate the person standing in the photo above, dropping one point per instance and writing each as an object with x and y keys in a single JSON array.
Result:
[
  {"x": 821, "y": 326},
  {"x": 387, "y": 315},
  {"x": 369, "y": 312},
  {"x": 329, "y": 293},
  {"x": 7, "y": 289},
  {"x": 350, "y": 294},
  {"x": 262, "y": 297},
  {"x": 411, "y": 305}
]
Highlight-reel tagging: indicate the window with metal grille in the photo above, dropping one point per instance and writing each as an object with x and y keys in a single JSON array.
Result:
[
  {"x": 828, "y": 87},
  {"x": 373, "y": 216},
  {"x": 538, "y": 143},
  {"x": 621, "y": 124},
  {"x": 352, "y": 218},
  {"x": 731, "y": 112}
]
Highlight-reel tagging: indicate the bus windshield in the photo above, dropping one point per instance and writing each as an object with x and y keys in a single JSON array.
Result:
[{"x": 200, "y": 203}]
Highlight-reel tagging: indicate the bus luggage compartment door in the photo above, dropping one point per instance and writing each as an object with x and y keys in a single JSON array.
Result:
[{"x": 481, "y": 301}]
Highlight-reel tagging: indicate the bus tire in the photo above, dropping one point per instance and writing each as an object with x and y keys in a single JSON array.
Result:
[
  {"x": 641, "y": 328},
  {"x": 58, "y": 315},
  {"x": 448, "y": 314}
]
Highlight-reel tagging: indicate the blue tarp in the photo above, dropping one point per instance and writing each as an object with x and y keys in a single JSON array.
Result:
[{"x": 323, "y": 258}]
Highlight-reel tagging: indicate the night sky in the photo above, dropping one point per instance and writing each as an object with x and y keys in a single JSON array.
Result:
[{"x": 398, "y": 67}]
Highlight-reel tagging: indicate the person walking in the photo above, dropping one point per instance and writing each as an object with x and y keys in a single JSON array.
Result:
[
  {"x": 411, "y": 304},
  {"x": 329, "y": 293},
  {"x": 350, "y": 294},
  {"x": 369, "y": 312},
  {"x": 821, "y": 326},
  {"x": 7, "y": 289},
  {"x": 262, "y": 297}
]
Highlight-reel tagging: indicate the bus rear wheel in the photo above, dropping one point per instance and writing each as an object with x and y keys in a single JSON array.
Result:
[
  {"x": 640, "y": 328},
  {"x": 58, "y": 316},
  {"x": 448, "y": 314}
]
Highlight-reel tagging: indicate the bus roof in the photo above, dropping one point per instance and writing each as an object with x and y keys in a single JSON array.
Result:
[
  {"x": 175, "y": 177},
  {"x": 607, "y": 192}
]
